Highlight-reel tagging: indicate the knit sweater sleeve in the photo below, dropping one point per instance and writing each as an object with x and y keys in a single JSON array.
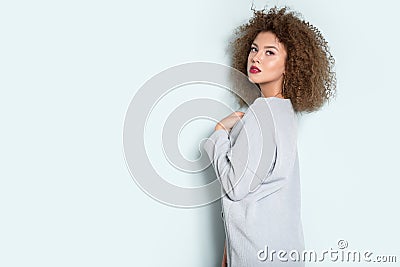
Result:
[{"x": 243, "y": 162}]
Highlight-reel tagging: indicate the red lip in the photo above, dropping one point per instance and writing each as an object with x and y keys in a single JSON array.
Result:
[{"x": 254, "y": 69}]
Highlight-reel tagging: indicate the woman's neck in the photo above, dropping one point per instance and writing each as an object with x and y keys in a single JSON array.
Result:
[{"x": 273, "y": 89}]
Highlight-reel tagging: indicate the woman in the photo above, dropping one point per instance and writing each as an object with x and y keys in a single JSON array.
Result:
[{"x": 254, "y": 154}]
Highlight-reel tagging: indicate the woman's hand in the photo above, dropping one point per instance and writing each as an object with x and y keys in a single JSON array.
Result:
[
  {"x": 224, "y": 260},
  {"x": 228, "y": 122}
]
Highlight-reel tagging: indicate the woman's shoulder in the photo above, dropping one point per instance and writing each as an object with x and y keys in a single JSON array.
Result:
[
  {"x": 276, "y": 103},
  {"x": 264, "y": 113},
  {"x": 279, "y": 111},
  {"x": 279, "y": 108}
]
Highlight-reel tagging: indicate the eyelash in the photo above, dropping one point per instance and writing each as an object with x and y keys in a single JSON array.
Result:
[{"x": 255, "y": 48}]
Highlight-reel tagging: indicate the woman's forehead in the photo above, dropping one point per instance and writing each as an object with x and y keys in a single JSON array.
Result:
[{"x": 268, "y": 39}]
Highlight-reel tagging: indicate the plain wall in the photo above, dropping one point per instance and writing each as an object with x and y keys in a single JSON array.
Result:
[{"x": 68, "y": 71}]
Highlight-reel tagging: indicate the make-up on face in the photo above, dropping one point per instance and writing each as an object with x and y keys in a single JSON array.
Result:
[{"x": 266, "y": 62}]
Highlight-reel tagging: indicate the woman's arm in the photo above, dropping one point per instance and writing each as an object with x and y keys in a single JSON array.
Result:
[{"x": 243, "y": 165}]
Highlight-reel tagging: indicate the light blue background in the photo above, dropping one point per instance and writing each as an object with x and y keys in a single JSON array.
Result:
[{"x": 68, "y": 71}]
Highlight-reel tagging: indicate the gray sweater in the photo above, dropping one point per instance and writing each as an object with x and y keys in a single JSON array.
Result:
[{"x": 257, "y": 166}]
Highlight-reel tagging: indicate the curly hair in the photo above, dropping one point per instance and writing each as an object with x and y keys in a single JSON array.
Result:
[{"x": 309, "y": 77}]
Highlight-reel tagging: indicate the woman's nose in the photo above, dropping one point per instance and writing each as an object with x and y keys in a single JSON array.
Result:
[{"x": 256, "y": 58}]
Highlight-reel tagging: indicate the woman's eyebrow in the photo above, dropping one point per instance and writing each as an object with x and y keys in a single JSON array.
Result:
[
  {"x": 271, "y": 46},
  {"x": 267, "y": 46}
]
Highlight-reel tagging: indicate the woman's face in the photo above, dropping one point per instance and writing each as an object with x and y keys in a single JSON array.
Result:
[{"x": 266, "y": 61}]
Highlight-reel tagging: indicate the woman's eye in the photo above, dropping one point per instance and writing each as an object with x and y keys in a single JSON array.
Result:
[
  {"x": 269, "y": 52},
  {"x": 253, "y": 49}
]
